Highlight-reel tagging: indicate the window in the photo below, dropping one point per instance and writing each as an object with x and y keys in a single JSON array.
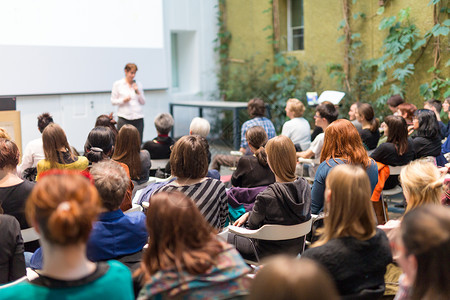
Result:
[{"x": 295, "y": 25}]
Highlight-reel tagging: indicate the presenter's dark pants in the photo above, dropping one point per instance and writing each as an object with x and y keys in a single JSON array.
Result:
[{"x": 138, "y": 123}]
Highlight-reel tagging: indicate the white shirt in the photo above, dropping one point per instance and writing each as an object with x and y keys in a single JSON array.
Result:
[
  {"x": 131, "y": 110},
  {"x": 299, "y": 131},
  {"x": 316, "y": 147},
  {"x": 34, "y": 152}
]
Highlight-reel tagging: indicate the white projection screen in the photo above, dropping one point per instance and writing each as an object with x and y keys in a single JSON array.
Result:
[{"x": 82, "y": 46}]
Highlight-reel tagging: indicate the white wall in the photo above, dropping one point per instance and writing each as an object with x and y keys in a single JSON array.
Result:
[{"x": 76, "y": 113}]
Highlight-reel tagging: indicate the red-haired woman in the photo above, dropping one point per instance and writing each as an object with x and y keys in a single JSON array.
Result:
[
  {"x": 62, "y": 208},
  {"x": 184, "y": 259},
  {"x": 342, "y": 145}
]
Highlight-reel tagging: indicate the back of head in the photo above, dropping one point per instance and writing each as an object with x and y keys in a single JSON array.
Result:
[
  {"x": 127, "y": 149},
  {"x": 180, "y": 236},
  {"x": 328, "y": 111},
  {"x": 426, "y": 235},
  {"x": 9, "y": 154},
  {"x": 436, "y": 104},
  {"x": 4, "y": 134},
  {"x": 428, "y": 124},
  {"x": 63, "y": 204},
  {"x": 397, "y": 133},
  {"x": 395, "y": 100},
  {"x": 54, "y": 139},
  {"x": 189, "y": 157},
  {"x": 99, "y": 144},
  {"x": 366, "y": 110},
  {"x": 257, "y": 138},
  {"x": 282, "y": 158},
  {"x": 107, "y": 121},
  {"x": 256, "y": 108},
  {"x": 199, "y": 126},
  {"x": 342, "y": 140},
  {"x": 44, "y": 120},
  {"x": 111, "y": 182},
  {"x": 348, "y": 204},
  {"x": 421, "y": 183},
  {"x": 163, "y": 123},
  {"x": 296, "y": 106},
  {"x": 286, "y": 278},
  {"x": 407, "y": 110}
]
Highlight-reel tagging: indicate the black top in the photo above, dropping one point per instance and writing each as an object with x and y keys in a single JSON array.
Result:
[
  {"x": 12, "y": 261},
  {"x": 13, "y": 198},
  {"x": 424, "y": 146},
  {"x": 369, "y": 138},
  {"x": 159, "y": 147},
  {"x": 287, "y": 203},
  {"x": 250, "y": 173},
  {"x": 354, "y": 265},
  {"x": 387, "y": 154}
]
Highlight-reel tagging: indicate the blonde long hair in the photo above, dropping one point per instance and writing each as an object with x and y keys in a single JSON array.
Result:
[
  {"x": 349, "y": 212},
  {"x": 421, "y": 183}
]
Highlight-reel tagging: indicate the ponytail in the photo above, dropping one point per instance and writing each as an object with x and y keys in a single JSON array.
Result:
[
  {"x": 261, "y": 155},
  {"x": 375, "y": 124}
]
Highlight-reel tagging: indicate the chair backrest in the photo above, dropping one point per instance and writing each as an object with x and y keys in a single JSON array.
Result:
[
  {"x": 29, "y": 235},
  {"x": 367, "y": 294},
  {"x": 277, "y": 232},
  {"x": 395, "y": 170},
  {"x": 159, "y": 163}
]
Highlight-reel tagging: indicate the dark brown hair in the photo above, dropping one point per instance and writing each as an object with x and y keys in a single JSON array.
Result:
[
  {"x": 366, "y": 111},
  {"x": 181, "y": 238},
  {"x": 53, "y": 139},
  {"x": 64, "y": 205},
  {"x": 189, "y": 157},
  {"x": 257, "y": 138},
  {"x": 107, "y": 121},
  {"x": 256, "y": 108},
  {"x": 328, "y": 111},
  {"x": 343, "y": 141},
  {"x": 9, "y": 154},
  {"x": 397, "y": 133},
  {"x": 128, "y": 148},
  {"x": 44, "y": 120},
  {"x": 131, "y": 66},
  {"x": 282, "y": 158},
  {"x": 395, "y": 100},
  {"x": 407, "y": 108}
]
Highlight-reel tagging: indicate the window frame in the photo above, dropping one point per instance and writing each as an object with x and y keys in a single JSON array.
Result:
[{"x": 290, "y": 29}]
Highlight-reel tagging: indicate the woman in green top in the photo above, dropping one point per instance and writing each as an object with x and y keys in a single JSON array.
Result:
[
  {"x": 58, "y": 154},
  {"x": 62, "y": 208}
]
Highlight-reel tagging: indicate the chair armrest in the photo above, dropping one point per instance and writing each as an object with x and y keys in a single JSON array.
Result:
[{"x": 242, "y": 231}]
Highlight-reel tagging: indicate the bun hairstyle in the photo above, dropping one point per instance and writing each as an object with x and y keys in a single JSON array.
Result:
[
  {"x": 366, "y": 110},
  {"x": 64, "y": 204},
  {"x": 99, "y": 144},
  {"x": 421, "y": 183},
  {"x": 257, "y": 138},
  {"x": 107, "y": 121},
  {"x": 44, "y": 120}
]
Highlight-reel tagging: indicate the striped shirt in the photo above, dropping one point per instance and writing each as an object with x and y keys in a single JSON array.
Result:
[{"x": 210, "y": 197}]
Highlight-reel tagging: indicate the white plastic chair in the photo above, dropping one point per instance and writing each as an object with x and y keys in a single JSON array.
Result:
[
  {"x": 159, "y": 163},
  {"x": 272, "y": 233},
  {"x": 29, "y": 235}
]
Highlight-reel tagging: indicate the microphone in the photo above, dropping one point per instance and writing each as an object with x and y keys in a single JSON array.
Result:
[{"x": 136, "y": 90}]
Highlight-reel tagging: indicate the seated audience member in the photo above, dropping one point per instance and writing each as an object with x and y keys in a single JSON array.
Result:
[
  {"x": 436, "y": 107},
  {"x": 128, "y": 151},
  {"x": 108, "y": 121},
  {"x": 159, "y": 147},
  {"x": 406, "y": 111},
  {"x": 422, "y": 184},
  {"x": 13, "y": 190},
  {"x": 286, "y": 202},
  {"x": 297, "y": 128},
  {"x": 58, "y": 154},
  {"x": 393, "y": 102},
  {"x": 99, "y": 147},
  {"x": 254, "y": 170},
  {"x": 342, "y": 145},
  {"x": 398, "y": 150},
  {"x": 184, "y": 259},
  {"x": 426, "y": 138},
  {"x": 199, "y": 126},
  {"x": 446, "y": 108},
  {"x": 12, "y": 261},
  {"x": 287, "y": 278},
  {"x": 34, "y": 150},
  {"x": 326, "y": 113},
  {"x": 351, "y": 248},
  {"x": 63, "y": 207},
  {"x": 369, "y": 132},
  {"x": 423, "y": 246},
  {"x": 352, "y": 115},
  {"x": 256, "y": 110},
  {"x": 189, "y": 164}
]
